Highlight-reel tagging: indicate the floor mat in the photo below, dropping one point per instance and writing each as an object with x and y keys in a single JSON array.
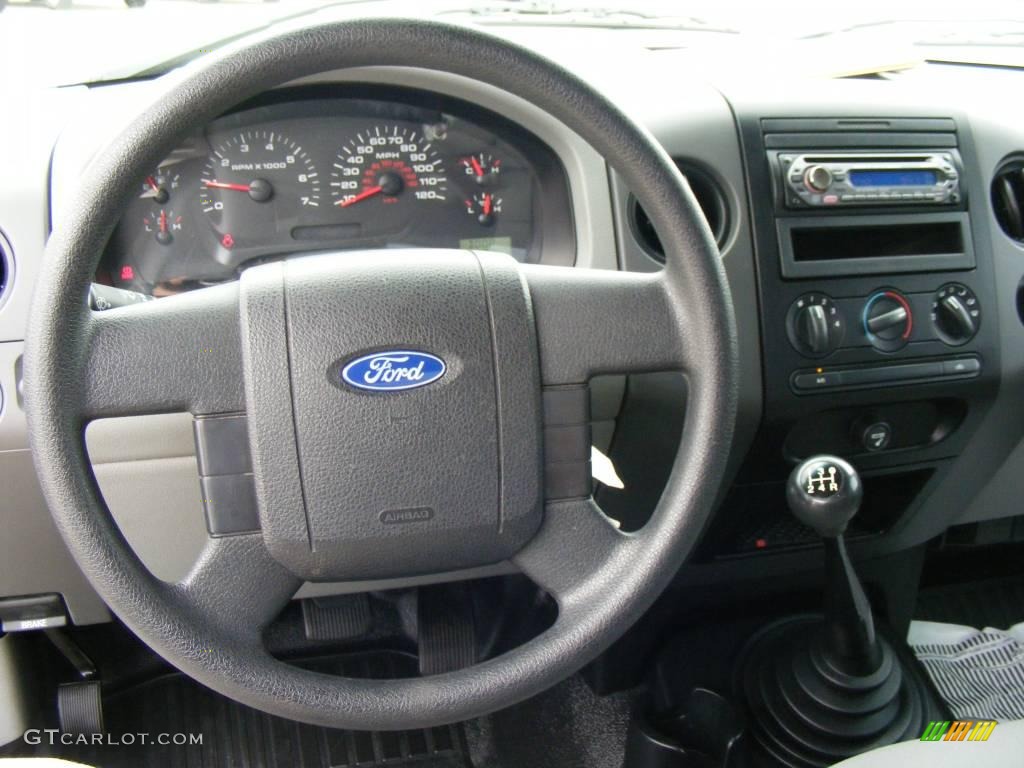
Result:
[
  {"x": 986, "y": 603},
  {"x": 979, "y": 673},
  {"x": 235, "y": 736}
]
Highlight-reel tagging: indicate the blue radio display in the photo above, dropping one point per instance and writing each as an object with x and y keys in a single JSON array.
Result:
[{"x": 892, "y": 178}]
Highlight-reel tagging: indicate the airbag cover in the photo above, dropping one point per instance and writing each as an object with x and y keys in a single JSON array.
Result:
[{"x": 413, "y": 433}]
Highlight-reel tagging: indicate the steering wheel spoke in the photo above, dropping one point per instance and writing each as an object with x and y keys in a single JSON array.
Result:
[
  {"x": 179, "y": 353},
  {"x": 591, "y": 322},
  {"x": 575, "y": 541},
  {"x": 237, "y": 584}
]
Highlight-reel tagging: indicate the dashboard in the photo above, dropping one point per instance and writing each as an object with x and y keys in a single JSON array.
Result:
[
  {"x": 272, "y": 178},
  {"x": 312, "y": 169}
]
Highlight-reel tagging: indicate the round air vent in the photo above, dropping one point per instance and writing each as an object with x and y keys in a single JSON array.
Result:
[
  {"x": 1008, "y": 198},
  {"x": 712, "y": 202},
  {"x": 6, "y": 267}
]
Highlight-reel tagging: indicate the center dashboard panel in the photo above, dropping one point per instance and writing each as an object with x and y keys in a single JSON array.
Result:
[
  {"x": 339, "y": 168},
  {"x": 876, "y": 289}
]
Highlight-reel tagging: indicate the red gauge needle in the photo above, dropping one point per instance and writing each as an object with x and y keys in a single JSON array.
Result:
[
  {"x": 477, "y": 169},
  {"x": 487, "y": 205},
  {"x": 226, "y": 185},
  {"x": 152, "y": 182},
  {"x": 163, "y": 221},
  {"x": 368, "y": 192}
]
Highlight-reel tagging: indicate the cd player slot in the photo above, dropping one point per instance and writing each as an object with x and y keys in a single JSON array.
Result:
[
  {"x": 858, "y": 159},
  {"x": 850, "y": 245}
]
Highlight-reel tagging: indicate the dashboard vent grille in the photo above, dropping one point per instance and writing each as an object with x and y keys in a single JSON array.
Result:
[
  {"x": 712, "y": 203},
  {"x": 1008, "y": 198}
]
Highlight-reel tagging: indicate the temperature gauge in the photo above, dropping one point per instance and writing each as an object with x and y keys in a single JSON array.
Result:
[
  {"x": 159, "y": 186},
  {"x": 483, "y": 168},
  {"x": 163, "y": 225},
  {"x": 485, "y": 207}
]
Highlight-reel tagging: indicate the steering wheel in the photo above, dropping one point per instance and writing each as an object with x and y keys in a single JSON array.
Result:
[{"x": 459, "y": 462}]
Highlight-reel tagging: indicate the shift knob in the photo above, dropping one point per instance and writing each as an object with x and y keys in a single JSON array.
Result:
[{"x": 824, "y": 492}]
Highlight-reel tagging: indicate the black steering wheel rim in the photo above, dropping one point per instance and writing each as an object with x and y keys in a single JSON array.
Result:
[{"x": 596, "y": 603}]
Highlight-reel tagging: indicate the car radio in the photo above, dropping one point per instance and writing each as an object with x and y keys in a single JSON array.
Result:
[{"x": 825, "y": 179}]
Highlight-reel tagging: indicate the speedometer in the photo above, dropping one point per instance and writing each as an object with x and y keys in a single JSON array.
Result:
[{"x": 387, "y": 165}]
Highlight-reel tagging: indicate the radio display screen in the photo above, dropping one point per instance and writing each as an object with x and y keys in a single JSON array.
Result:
[{"x": 893, "y": 178}]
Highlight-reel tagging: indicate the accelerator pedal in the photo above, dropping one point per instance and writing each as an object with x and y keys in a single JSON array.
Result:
[{"x": 447, "y": 631}]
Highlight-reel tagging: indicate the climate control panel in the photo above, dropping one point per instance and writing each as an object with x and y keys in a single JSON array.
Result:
[{"x": 860, "y": 333}]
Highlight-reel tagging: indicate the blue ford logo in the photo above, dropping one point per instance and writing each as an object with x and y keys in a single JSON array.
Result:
[{"x": 393, "y": 370}]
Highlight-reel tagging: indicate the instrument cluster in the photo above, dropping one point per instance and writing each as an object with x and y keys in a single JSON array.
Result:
[{"x": 313, "y": 170}]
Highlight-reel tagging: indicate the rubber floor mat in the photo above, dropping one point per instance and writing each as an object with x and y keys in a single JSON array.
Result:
[
  {"x": 235, "y": 736},
  {"x": 986, "y": 603}
]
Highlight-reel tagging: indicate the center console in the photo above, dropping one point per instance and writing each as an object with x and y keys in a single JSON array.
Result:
[{"x": 875, "y": 285}]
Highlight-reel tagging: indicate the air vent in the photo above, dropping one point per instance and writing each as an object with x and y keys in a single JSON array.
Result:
[
  {"x": 1008, "y": 198},
  {"x": 712, "y": 204},
  {"x": 6, "y": 267}
]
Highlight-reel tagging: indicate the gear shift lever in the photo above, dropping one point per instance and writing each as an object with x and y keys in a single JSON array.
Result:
[
  {"x": 819, "y": 689},
  {"x": 825, "y": 493}
]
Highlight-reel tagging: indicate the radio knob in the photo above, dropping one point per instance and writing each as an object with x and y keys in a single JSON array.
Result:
[{"x": 818, "y": 178}]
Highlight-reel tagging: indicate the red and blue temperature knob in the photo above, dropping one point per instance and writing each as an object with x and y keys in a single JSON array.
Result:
[{"x": 888, "y": 320}]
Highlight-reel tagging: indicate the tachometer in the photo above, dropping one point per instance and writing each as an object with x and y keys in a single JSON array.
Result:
[
  {"x": 387, "y": 165},
  {"x": 256, "y": 184}
]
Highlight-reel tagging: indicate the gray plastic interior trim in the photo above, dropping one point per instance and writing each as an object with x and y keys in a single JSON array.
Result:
[
  {"x": 14, "y": 701},
  {"x": 13, "y": 695}
]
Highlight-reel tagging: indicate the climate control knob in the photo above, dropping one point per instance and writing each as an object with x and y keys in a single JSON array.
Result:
[
  {"x": 815, "y": 325},
  {"x": 956, "y": 314},
  {"x": 888, "y": 320}
]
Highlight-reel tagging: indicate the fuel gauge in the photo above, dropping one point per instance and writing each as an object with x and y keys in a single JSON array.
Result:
[{"x": 159, "y": 186}]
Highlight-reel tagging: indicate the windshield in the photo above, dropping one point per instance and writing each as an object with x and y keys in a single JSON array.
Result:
[{"x": 82, "y": 41}]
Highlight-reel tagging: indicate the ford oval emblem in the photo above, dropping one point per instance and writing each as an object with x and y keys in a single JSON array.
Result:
[{"x": 393, "y": 370}]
